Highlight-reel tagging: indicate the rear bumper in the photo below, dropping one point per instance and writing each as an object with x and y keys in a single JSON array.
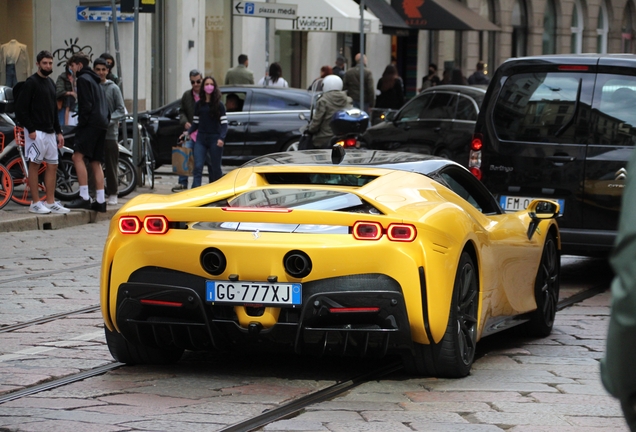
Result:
[
  {"x": 586, "y": 242},
  {"x": 180, "y": 317}
]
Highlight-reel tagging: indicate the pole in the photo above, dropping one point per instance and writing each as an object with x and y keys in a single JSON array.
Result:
[
  {"x": 136, "y": 146},
  {"x": 118, "y": 62},
  {"x": 362, "y": 55},
  {"x": 267, "y": 77}
]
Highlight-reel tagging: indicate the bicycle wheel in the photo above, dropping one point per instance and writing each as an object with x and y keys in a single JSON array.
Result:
[
  {"x": 6, "y": 186},
  {"x": 21, "y": 191},
  {"x": 126, "y": 176},
  {"x": 67, "y": 186}
]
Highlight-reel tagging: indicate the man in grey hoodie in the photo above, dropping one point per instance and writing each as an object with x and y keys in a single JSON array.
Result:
[
  {"x": 332, "y": 100},
  {"x": 117, "y": 112}
]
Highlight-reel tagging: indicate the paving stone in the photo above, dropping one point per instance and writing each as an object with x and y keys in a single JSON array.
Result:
[
  {"x": 329, "y": 416},
  {"x": 469, "y": 396},
  {"x": 447, "y": 406},
  {"x": 412, "y": 416},
  {"x": 142, "y": 399},
  {"x": 296, "y": 425},
  {"x": 337, "y": 404},
  {"x": 66, "y": 426},
  {"x": 52, "y": 403},
  {"x": 432, "y": 427},
  {"x": 585, "y": 387},
  {"x": 154, "y": 425},
  {"x": 583, "y": 408},
  {"x": 566, "y": 429},
  {"x": 498, "y": 418},
  {"x": 368, "y": 427}
]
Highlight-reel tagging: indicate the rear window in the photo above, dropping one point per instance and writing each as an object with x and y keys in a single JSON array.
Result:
[
  {"x": 614, "y": 110},
  {"x": 539, "y": 107},
  {"x": 318, "y": 179}
]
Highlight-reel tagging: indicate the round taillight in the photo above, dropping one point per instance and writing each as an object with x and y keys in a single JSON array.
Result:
[
  {"x": 156, "y": 225},
  {"x": 476, "y": 172},
  {"x": 476, "y": 144},
  {"x": 367, "y": 230},
  {"x": 401, "y": 232},
  {"x": 129, "y": 225}
]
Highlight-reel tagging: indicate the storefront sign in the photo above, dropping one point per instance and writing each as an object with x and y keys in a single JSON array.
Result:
[
  {"x": 101, "y": 14},
  {"x": 313, "y": 23},
  {"x": 214, "y": 23},
  {"x": 265, "y": 10}
]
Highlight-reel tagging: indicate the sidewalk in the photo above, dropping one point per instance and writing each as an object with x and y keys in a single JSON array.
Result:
[{"x": 15, "y": 217}]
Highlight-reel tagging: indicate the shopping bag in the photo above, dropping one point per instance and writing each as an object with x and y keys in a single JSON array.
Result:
[{"x": 182, "y": 161}]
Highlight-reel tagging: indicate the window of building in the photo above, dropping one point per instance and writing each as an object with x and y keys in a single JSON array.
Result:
[
  {"x": 602, "y": 28},
  {"x": 576, "y": 38},
  {"x": 549, "y": 28},
  {"x": 519, "y": 29}
]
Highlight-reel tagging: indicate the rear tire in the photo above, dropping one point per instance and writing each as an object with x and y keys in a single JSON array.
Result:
[
  {"x": 126, "y": 176},
  {"x": 125, "y": 352},
  {"x": 453, "y": 356},
  {"x": 67, "y": 185},
  {"x": 546, "y": 290},
  {"x": 291, "y": 145}
]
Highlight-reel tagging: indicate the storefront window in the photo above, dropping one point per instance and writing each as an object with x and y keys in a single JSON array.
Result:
[
  {"x": 549, "y": 28},
  {"x": 218, "y": 38},
  {"x": 519, "y": 29},
  {"x": 576, "y": 39},
  {"x": 16, "y": 38},
  {"x": 602, "y": 28}
]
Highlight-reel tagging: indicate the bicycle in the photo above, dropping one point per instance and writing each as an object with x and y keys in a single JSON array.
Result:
[
  {"x": 19, "y": 172},
  {"x": 147, "y": 157},
  {"x": 6, "y": 182}
]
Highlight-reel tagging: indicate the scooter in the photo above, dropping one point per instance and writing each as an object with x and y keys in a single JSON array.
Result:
[{"x": 347, "y": 125}]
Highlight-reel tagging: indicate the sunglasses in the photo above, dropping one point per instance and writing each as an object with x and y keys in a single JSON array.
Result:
[{"x": 195, "y": 82}]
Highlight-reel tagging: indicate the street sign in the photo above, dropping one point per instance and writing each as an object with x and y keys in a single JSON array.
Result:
[
  {"x": 101, "y": 14},
  {"x": 265, "y": 10}
]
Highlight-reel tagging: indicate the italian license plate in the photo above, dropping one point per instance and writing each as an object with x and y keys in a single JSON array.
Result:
[
  {"x": 513, "y": 203},
  {"x": 262, "y": 293}
]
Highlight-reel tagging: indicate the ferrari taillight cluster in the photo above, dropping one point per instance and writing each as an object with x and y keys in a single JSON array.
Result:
[
  {"x": 150, "y": 224},
  {"x": 374, "y": 231}
]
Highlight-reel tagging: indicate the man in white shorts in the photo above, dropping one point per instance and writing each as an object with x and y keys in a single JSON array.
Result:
[{"x": 36, "y": 112}]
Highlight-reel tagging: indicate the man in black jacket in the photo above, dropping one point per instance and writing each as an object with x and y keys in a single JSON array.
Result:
[
  {"x": 36, "y": 111},
  {"x": 90, "y": 133}
]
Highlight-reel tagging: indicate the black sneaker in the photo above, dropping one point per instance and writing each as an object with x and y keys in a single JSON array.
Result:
[
  {"x": 98, "y": 207},
  {"x": 179, "y": 188},
  {"x": 79, "y": 203}
]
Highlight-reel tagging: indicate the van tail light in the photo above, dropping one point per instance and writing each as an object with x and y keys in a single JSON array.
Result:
[
  {"x": 129, "y": 225},
  {"x": 474, "y": 158},
  {"x": 367, "y": 231},
  {"x": 573, "y": 67},
  {"x": 401, "y": 232},
  {"x": 156, "y": 225}
]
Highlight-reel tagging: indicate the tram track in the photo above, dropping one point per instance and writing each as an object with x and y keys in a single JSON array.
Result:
[
  {"x": 49, "y": 273},
  {"x": 48, "y": 318}
]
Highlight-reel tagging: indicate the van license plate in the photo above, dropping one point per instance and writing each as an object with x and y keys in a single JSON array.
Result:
[
  {"x": 261, "y": 293},
  {"x": 512, "y": 203}
]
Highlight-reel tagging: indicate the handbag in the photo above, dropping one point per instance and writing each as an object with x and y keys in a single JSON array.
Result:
[
  {"x": 306, "y": 141},
  {"x": 182, "y": 160}
]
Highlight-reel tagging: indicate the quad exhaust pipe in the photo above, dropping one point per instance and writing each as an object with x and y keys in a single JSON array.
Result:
[
  {"x": 213, "y": 261},
  {"x": 297, "y": 264}
]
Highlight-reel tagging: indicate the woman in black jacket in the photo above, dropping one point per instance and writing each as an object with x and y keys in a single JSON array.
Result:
[
  {"x": 391, "y": 89},
  {"x": 210, "y": 120}
]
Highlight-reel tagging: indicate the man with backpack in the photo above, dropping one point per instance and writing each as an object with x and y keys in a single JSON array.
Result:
[{"x": 36, "y": 112}]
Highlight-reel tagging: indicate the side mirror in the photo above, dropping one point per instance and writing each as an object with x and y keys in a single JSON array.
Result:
[
  {"x": 539, "y": 210},
  {"x": 302, "y": 116}
]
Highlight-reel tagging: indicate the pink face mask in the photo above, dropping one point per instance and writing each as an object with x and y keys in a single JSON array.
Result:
[{"x": 209, "y": 88}]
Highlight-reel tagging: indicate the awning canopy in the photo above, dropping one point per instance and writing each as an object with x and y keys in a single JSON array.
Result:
[
  {"x": 392, "y": 22},
  {"x": 441, "y": 15},
  {"x": 342, "y": 16}
]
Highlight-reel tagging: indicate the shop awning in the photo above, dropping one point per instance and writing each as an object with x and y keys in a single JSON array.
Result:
[
  {"x": 441, "y": 15},
  {"x": 392, "y": 22},
  {"x": 342, "y": 16}
]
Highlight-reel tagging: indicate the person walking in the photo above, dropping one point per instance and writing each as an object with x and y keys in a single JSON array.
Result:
[
  {"x": 65, "y": 94},
  {"x": 324, "y": 71},
  {"x": 430, "y": 80},
  {"x": 339, "y": 68},
  {"x": 479, "y": 77},
  {"x": 90, "y": 134},
  {"x": 457, "y": 77},
  {"x": 332, "y": 100},
  {"x": 391, "y": 89},
  {"x": 275, "y": 77},
  {"x": 36, "y": 112},
  {"x": 186, "y": 115},
  {"x": 351, "y": 84},
  {"x": 210, "y": 123},
  {"x": 617, "y": 366},
  {"x": 240, "y": 74},
  {"x": 117, "y": 112}
]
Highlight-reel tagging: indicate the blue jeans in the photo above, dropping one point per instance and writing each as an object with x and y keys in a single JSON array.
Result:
[
  {"x": 206, "y": 147},
  {"x": 183, "y": 180}
]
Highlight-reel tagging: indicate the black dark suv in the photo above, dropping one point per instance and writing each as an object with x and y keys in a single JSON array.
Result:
[{"x": 561, "y": 127}]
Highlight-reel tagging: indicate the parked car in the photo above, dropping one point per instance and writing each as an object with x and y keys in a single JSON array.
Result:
[
  {"x": 265, "y": 120},
  {"x": 561, "y": 127},
  {"x": 356, "y": 253},
  {"x": 438, "y": 121}
]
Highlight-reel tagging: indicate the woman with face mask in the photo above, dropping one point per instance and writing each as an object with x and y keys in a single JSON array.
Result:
[{"x": 210, "y": 121}]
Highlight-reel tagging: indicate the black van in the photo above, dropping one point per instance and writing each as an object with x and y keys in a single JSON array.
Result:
[{"x": 560, "y": 127}]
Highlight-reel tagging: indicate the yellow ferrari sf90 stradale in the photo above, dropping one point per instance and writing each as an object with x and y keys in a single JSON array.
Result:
[{"x": 380, "y": 253}]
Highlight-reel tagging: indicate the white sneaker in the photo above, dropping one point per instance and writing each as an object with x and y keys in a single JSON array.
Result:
[
  {"x": 39, "y": 208},
  {"x": 112, "y": 200},
  {"x": 57, "y": 208}
]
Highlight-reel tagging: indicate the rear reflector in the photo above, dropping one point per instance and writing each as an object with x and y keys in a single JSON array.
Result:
[
  {"x": 156, "y": 225},
  {"x": 129, "y": 225},
  {"x": 476, "y": 172},
  {"x": 355, "y": 310},
  {"x": 401, "y": 232},
  {"x": 257, "y": 209},
  {"x": 367, "y": 230},
  {"x": 573, "y": 68},
  {"x": 161, "y": 303}
]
